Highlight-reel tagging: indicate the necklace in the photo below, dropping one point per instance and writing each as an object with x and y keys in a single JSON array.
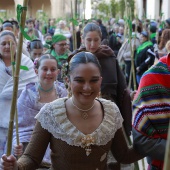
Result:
[
  {"x": 84, "y": 113},
  {"x": 48, "y": 90}
]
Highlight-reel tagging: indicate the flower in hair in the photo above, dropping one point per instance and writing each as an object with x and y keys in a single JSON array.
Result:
[
  {"x": 36, "y": 62},
  {"x": 64, "y": 72}
]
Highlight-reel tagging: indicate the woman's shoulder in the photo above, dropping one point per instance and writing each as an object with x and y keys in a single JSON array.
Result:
[
  {"x": 55, "y": 107},
  {"x": 61, "y": 89},
  {"x": 112, "y": 121},
  {"x": 29, "y": 89},
  {"x": 26, "y": 60},
  {"x": 30, "y": 85},
  {"x": 110, "y": 108}
]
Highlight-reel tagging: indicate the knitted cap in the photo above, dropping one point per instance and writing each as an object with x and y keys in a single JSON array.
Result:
[
  {"x": 144, "y": 33},
  {"x": 153, "y": 28},
  {"x": 57, "y": 38}
]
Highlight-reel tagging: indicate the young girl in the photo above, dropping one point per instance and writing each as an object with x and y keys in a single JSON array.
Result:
[
  {"x": 34, "y": 97},
  {"x": 35, "y": 48},
  {"x": 81, "y": 129}
]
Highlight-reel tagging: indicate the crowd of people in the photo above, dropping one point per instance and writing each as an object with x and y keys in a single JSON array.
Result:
[{"x": 76, "y": 109}]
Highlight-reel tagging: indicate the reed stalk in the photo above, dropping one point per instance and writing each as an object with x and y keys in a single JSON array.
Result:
[
  {"x": 16, "y": 80},
  {"x": 73, "y": 28}
]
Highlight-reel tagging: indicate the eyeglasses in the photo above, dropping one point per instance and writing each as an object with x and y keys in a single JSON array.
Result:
[{"x": 62, "y": 45}]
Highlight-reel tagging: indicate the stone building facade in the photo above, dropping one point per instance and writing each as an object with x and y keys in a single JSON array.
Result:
[
  {"x": 53, "y": 8},
  {"x": 62, "y": 8},
  {"x": 153, "y": 8}
]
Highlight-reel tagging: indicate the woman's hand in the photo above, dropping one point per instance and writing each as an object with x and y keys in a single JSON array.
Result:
[
  {"x": 132, "y": 94},
  {"x": 18, "y": 150},
  {"x": 8, "y": 163}
]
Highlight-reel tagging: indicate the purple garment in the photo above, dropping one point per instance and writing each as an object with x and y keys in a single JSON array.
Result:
[{"x": 28, "y": 106}]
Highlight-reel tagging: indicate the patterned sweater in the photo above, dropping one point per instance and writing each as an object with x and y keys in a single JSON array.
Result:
[{"x": 151, "y": 109}]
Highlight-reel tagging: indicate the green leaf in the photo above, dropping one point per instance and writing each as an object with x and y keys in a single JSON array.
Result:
[
  {"x": 21, "y": 67},
  {"x": 161, "y": 14},
  {"x": 1, "y": 20},
  {"x": 24, "y": 68},
  {"x": 162, "y": 25},
  {"x": 74, "y": 21},
  {"x": 19, "y": 12}
]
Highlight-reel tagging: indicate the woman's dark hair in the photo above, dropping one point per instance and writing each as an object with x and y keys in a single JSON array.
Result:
[
  {"x": 7, "y": 24},
  {"x": 34, "y": 44},
  {"x": 82, "y": 58},
  {"x": 30, "y": 20},
  {"x": 47, "y": 34},
  {"x": 15, "y": 24},
  {"x": 37, "y": 61},
  {"x": 7, "y": 32},
  {"x": 91, "y": 27}
]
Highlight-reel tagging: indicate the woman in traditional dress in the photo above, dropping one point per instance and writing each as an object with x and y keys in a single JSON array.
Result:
[
  {"x": 33, "y": 98},
  {"x": 80, "y": 129}
]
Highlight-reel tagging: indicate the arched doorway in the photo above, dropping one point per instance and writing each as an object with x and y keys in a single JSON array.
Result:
[
  {"x": 35, "y": 7},
  {"x": 7, "y": 9}
]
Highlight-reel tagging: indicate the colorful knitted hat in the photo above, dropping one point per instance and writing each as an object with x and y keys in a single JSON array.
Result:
[{"x": 58, "y": 37}]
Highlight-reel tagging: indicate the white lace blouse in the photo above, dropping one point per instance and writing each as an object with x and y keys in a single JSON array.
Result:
[{"x": 53, "y": 118}]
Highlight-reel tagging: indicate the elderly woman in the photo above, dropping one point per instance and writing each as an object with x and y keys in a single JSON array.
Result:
[
  {"x": 62, "y": 29},
  {"x": 6, "y": 83}
]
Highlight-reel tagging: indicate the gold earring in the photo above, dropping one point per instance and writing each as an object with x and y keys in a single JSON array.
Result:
[{"x": 69, "y": 92}]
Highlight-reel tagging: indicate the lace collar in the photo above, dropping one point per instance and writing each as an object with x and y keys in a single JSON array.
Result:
[{"x": 53, "y": 118}]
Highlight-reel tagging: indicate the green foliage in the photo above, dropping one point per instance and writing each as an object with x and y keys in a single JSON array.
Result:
[
  {"x": 114, "y": 9},
  {"x": 3, "y": 15},
  {"x": 42, "y": 16},
  {"x": 103, "y": 7},
  {"x": 121, "y": 7}
]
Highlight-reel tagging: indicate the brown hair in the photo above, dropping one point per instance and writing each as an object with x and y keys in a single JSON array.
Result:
[
  {"x": 164, "y": 38},
  {"x": 168, "y": 46},
  {"x": 37, "y": 62},
  {"x": 7, "y": 32},
  {"x": 34, "y": 44},
  {"x": 91, "y": 27}
]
